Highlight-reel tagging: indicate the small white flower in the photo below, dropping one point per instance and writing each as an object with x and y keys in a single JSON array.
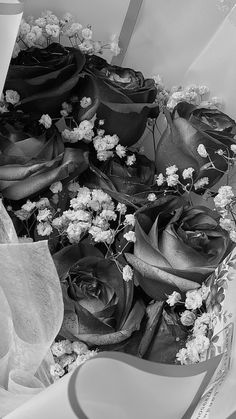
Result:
[
  {"x": 74, "y": 232},
  {"x": 203, "y": 90},
  {"x": 151, "y": 197},
  {"x": 171, "y": 170},
  {"x": 44, "y": 229},
  {"x": 160, "y": 179},
  {"x": 232, "y": 235},
  {"x": 11, "y": 96},
  {"x": 73, "y": 30},
  {"x": 173, "y": 298},
  {"x": 87, "y": 33},
  {"x": 85, "y": 102},
  {"x": 201, "y": 183},
  {"x": 182, "y": 356},
  {"x": 202, "y": 150},
  {"x": 188, "y": 173},
  {"x": 193, "y": 300},
  {"x": 220, "y": 152},
  {"x": 46, "y": 121},
  {"x": 22, "y": 214},
  {"x": 73, "y": 187},
  {"x": 41, "y": 22},
  {"x": 224, "y": 197},
  {"x": 227, "y": 224},
  {"x": 202, "y": 343},
  {"x": 56, "y": 371},
  {"x": 122, "y": 208},
  {"x": 127, "y": 273},
  {"x": 56, "y": 187},
  {"x": 129, "y": 220},
  {"x": 29, "y": 206},
  {"x": 120, "y": 151},
  {"x": 131, "y": 160},
  {"x": 61, "y": 348},
  {"x": 172, "y": 180},
  {"x": 44, "y": 215},
  {"x": 130, "y": 236},
  {"x": 233, "y": 148},
  {"x": 42, "y": 203},
  {"x": 114, "y": 47},
  {"x": 187, "y": 318},
  {"x": 52, "y": 30}
]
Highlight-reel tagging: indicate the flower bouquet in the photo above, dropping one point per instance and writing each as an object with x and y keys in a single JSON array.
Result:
[{"x": 143, "y": 249}]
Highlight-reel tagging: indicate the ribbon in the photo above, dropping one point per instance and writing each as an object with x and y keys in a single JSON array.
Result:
[{"x": 127, "y": 29}]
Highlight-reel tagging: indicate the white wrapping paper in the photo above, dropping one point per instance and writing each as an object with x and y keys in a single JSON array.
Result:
[
  {"x": 31, "y": 311},
  {"x": 10, "y": 17}
]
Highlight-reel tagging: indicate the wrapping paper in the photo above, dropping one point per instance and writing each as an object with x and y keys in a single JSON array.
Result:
[
  {"x": 10, "y": 17},
  {"x": 31, "y": 311},
  {"x": 124, "y": 387},
  {"x": 191, "y": 42}
]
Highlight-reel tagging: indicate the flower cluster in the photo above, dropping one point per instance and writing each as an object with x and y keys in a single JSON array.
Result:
[
  {"x": 67, "y": 356},
  {"x": 172, "y": 179},
  {"x": 196, "y": 95},
  {"x": 92, "y": 212},
  {"x": 199, "y": 321},
  {"x": 225, "y": 203},
  {"x": 47, "y": 28},
  {"x": 8, "y": 100}
]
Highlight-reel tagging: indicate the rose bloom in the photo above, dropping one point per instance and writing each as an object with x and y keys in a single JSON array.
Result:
[
  {"x": 193, "y": 138},
  {"x": 176, "y": 247},
  {"x": 45, "y": 77},
  {"x": 121, "y": 97},
  {"x": 95, "y": 296},
  {"x": 33, "y": 163}
]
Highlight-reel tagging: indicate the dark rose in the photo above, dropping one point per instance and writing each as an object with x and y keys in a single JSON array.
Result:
[
  {"x": 176, "y": 247},
  {"x": 186, "y": 130},
  {"x": 98, "y": 302},
  {"x": 122, "y": 97},
  {"x": 45, "y": 78},
  {"x": 128, "y": 184},
  {"x": 210, "y": 120},
  {"x": 29, "y": 164}
]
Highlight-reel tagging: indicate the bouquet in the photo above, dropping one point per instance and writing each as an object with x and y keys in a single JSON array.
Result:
[{"x": 143, "y": 269}]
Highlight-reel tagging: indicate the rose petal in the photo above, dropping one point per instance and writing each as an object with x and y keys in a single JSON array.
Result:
[
  {"x": 156, "y": 282},
  {"x": 144, "y": 250}
]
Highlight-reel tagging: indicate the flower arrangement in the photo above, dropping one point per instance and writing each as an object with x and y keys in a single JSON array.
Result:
[{"x": 135, "y": 256}]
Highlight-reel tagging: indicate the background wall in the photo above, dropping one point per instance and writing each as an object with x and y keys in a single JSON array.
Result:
[{"x": 105, "y": 16}]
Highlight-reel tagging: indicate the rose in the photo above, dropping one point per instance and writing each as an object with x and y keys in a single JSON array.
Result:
[
  {"x": 45, "y": 78},
  {"x": 98, "y": 302},
  {"x": 29, "y": 164},
  {"x": 121, "y": 97},
  {"x": 176, "y": 247},
  {"x": 184, "y": 133},
  {"x": 127, "y": 184},
  {"x": 212, "y": 121}
]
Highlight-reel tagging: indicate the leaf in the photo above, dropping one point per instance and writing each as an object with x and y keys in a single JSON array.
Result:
[{"x": 154, "y": 312}]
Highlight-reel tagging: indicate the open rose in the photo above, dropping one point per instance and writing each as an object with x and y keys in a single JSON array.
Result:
[
  {"x": 127, "y": 184},
  {"x": 45, "y": 78},
  {"x": 189, "y": 128},
  {"x": 97, "y": 301},
  {"x": 29, "y": 164},
  {"x": 121, "y": 97},
  {"x": 176, "y": 247}
]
